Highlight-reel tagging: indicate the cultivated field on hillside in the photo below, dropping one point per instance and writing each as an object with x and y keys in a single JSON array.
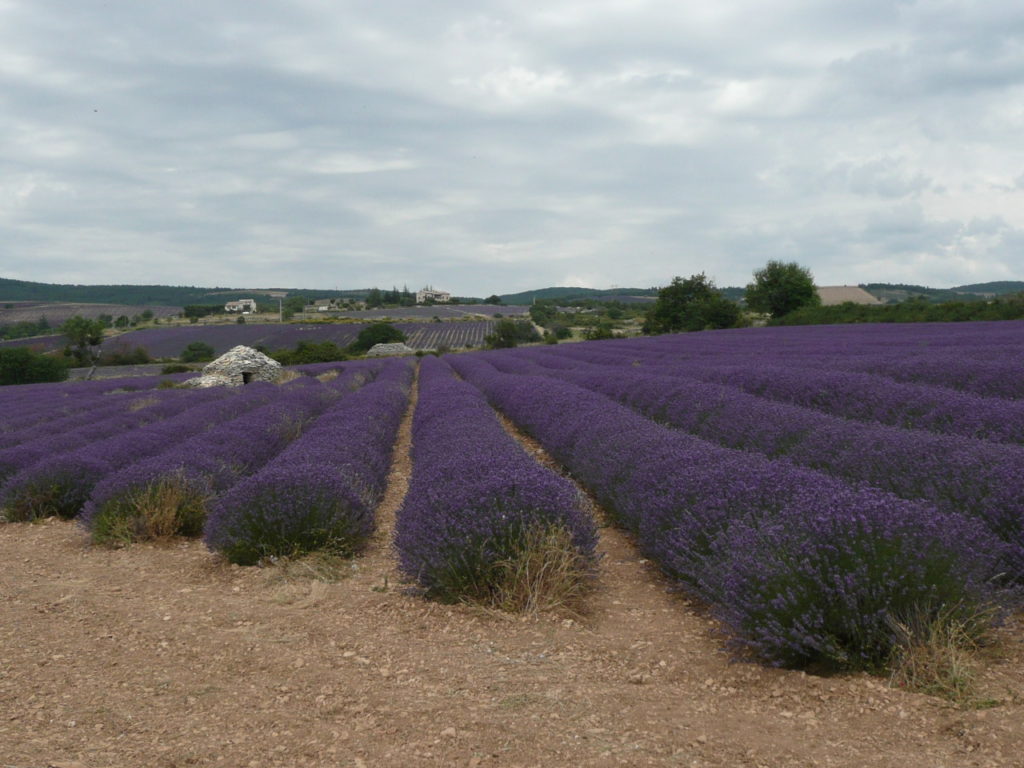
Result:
[
  {"x": 170, "y": 341},
  {"x": 56, "y": 312},
  {"x": 442, "y": 311}
]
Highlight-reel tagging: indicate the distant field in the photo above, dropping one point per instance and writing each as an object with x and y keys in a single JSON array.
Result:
[
  {"x": 56, "y": 313},
  {"x": 441, "y": 311},
  {"x": 169, "y": 342}
]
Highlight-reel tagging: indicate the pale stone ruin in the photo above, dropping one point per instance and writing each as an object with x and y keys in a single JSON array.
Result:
[
  {"x": 236, "y": 367},
  {"x": 386, "y": 350}
]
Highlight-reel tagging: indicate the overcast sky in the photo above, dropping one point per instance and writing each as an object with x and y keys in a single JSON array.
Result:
[{"x": 497, "y": 145}]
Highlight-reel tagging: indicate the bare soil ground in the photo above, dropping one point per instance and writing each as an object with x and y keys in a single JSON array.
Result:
[{"x": 161, "y": 655}]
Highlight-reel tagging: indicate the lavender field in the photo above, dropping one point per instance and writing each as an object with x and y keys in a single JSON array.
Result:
[
  {"x": 442, "y": 311},
  {"x": 814, "y": 486},
  {"x": 170, "y": 341},
  {"x": 57, "y": 312}
]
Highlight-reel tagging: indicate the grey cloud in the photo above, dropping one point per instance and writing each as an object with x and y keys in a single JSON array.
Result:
[{"x": 490, "y": 146}]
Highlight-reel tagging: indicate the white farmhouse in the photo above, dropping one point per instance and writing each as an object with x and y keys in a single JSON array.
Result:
[
  {"x": 245, "y": 306},
  {"x": 323, "y": 305},
  {"x": 429, "y": 294}
]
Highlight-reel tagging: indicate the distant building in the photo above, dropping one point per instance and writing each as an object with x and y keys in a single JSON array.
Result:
[
  {"x": 245, "y": 306},
  {"x": 323, "y": 305},
  {"x": 429, "y": 294},
  {"x": 838, "y": 294}
]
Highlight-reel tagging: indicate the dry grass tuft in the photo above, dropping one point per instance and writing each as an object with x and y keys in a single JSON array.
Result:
[
  {"x": 287, "y": 375},
  {"x": 142, "y": 402},
  {"x": 936, "y": 653},
  {"x": 164, "y": 508},
  {"x": 317, "y": 566},
  {"x": 330, "y": 375},
  {"x": 291, "y": 427},
  {"x": 546, "y": 573}
]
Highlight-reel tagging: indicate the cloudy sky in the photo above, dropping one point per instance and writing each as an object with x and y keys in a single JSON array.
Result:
[{"x": 499, "y": 145}]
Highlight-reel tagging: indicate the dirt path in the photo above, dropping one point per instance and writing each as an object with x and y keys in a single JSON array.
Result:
[{"x": 160, "y": 656}]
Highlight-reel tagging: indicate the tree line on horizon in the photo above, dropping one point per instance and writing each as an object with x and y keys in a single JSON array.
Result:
[{"x": 785, "y": 294}]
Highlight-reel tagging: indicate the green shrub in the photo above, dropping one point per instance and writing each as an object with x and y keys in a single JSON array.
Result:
[
  {"x": 197, "y": 352},
  {"x": 21, "y": 365},
  {"x": 310, "y": 352},
  {"x": 122, "y": 354},
  {"x": 603, "y": 330},
  {"x": 510, "y": 333},
  {"x": 375, "y": 333}
]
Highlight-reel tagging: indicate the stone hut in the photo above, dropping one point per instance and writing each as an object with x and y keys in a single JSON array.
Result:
[
  {"x": 236, "y": 367},
  {"x": 386, "y": 350}
]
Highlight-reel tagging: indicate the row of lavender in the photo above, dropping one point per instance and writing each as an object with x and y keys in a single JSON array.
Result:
[
  {"x": 181, "y": 480},
  {"x": 955, "y": 474},
  {"x": 51, "y": 465},
  {"x": 478, "y": 506},
  {"x": 42, "y": 406},
  {"x": 982, "y": 358},
  {"x": 848, "y": 394},
  {"x": 163, "y": 463},
  {"x": 319, "y": 493},
  {"x": 271, "y": 471},
  {"x": 801, "y": 565}
]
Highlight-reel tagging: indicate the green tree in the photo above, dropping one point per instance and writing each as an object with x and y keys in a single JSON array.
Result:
[
  {"x": 543, "y": 312},
  {"x": 601, "y": 330},
  {"x": 375, "y": 333},
  {"x": 195, "y": 311},
  {"x": 509, "y": 333},
  {"x": 780, "y": 288},
  {"x": 197, "y": 352},
  {"x": 84, "y": 336},
  {"x": 561, "y": 331},
  {"x": 693, "y": 304},
  {"x": 21, "y": 365},
  {"x": 291, "y": 305}
]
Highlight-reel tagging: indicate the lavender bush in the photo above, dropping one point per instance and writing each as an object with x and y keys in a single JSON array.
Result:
[
  {"x": 476, "y": 496},
  {"x": 823, "y": 581},
  {"x": 321, "y": 491}
]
